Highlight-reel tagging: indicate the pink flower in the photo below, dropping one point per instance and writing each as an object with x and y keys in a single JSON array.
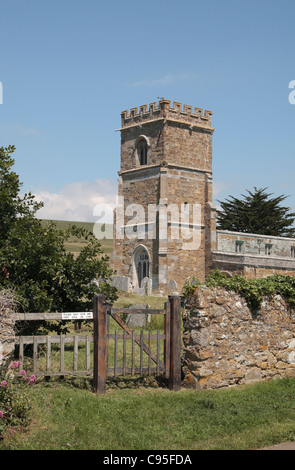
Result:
[
  {"x": 3, "y": 383},
  {"x": 31, "y": 379},
  {"x": 1, "y": 414},
  {"x": 15, "y": 364},
  {"x": 23, "y": 372}
]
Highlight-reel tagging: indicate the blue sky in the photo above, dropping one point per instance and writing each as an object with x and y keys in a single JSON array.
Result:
[{"x": 69, "y": 67}]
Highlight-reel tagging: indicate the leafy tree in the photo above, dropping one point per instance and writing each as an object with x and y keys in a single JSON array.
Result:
[
  {"x": 12, "y": 206},
  {"x": 256, "y": 212},
  {"x": 33, "y": 259}
]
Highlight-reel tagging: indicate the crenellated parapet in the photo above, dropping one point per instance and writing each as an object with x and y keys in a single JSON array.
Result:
[{"x": 164, "y": 110}]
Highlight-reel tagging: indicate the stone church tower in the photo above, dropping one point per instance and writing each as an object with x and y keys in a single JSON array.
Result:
[{"x": 165, "y": 226}]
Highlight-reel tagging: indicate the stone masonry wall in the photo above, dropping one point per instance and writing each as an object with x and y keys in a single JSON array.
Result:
[
  {"x": 7, "y": 323},
  {"x": 255, "y": 244},
  {"x": 225, "y": 344}
]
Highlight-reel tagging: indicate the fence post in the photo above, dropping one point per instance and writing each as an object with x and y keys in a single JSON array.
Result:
[
  {"x": 100, "y": 359},
  {"x": 175, "y": 343}
]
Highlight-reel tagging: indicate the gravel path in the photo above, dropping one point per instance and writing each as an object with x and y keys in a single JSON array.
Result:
[{"x": 284, "y": 446}]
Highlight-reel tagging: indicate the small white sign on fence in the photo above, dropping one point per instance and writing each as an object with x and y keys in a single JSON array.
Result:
[{"x": 77, "y": 316}]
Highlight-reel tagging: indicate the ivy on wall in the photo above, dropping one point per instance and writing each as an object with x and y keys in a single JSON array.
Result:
[{"x": 253, "y": 290}]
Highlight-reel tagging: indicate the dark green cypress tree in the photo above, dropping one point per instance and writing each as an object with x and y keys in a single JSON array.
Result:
[{"x": 256, "y": 212}]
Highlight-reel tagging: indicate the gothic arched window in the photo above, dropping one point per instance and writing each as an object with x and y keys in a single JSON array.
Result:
[
  {"x": 142, "y": 150},
  {"x": 142, "y": 264}
]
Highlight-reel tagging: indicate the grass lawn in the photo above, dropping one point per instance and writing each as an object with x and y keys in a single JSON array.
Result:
[
  {"x": 75, "y": 244},
  {"x": 139, "y": 418}
]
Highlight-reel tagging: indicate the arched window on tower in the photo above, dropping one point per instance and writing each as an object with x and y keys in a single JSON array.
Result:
[{"x": 142, "y": 151}]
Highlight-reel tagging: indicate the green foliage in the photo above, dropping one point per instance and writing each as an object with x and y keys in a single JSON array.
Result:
[
  {"x": 15, "y": 404},
  {"x": 33, "y": 258},
  {"x": 12, "y": 206},
  {"x": 257, "y": 213},
  {"x": 253, "y": 290},
  {"x": 190, "y": 288}
]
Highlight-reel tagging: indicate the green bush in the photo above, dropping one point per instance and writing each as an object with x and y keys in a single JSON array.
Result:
[
  {"x": 14, "y": 396},
  {"x": 253, "y": 290}
]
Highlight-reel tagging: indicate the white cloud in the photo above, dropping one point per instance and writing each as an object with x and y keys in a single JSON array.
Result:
[
  {"x": 155, "y": 82},
  {"x": 19, "y": 129},
  {"x": 77, "y": 201},
  {"x": 168, "y": 78},
  {"x": 219, "y": 186},
  {"x": 84, "y": 201}
]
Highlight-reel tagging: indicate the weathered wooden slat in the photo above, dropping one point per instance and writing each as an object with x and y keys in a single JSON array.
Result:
[
  {"x": 150, "y": 351},
  {"x": 86, "y": 373},
  {"x": 48, "y": 354},
  {"x": 167, "y": 325},
  {"x": 42, "y": 339},
  {"x": 21, "y": 349},
  {"x": 115, "y": 353},
  {"x": 141, "y": 352},
  {"x": 63, "y": 373},
  {"x": 75, "y": 359},
  {"x": 35, "y": 354},
  {"x": 137, "y": 370},
  {"x": 132, "y": 354},
  {"x": 158, "y": 350},
  {"x": 120, "y": 336},
  {"x": 54, "y": 316},
  {"x": 62, "y": 353},
  {"x": 152, "y": 311},
  {"x": 88, "y": 352},
  {"x": 124, "y": 353}
]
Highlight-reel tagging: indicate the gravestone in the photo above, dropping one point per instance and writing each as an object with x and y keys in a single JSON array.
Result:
[
  {"x": 137, "y": 320},
  {"x": 172, "y": 287},
  {"x": 121, "y": 283},
  {"x": 146, "y": 287}
]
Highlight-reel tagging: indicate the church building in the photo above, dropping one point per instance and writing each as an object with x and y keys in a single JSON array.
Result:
[{"x": 165, "y": 219}]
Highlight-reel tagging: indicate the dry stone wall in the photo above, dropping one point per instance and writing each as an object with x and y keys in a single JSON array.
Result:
[
  {"x": 7, "y": 324},
  {"x": 227, "y": 344}
]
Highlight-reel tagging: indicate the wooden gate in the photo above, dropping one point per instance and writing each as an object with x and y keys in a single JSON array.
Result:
[
  {"x": 161, "y": 350},
  {"x": 170, "y": 366}
]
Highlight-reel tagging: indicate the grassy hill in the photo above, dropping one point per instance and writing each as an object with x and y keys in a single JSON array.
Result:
[{"x": 74, "y": 244}]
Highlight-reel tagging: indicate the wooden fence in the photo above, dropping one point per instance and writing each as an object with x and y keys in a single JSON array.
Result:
[{"x": 167, "y": 363}]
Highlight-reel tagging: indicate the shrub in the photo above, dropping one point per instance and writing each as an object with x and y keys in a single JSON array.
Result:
[
  {"x": 253, "y": 290},
  {"x": 14, "y": 395}
]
